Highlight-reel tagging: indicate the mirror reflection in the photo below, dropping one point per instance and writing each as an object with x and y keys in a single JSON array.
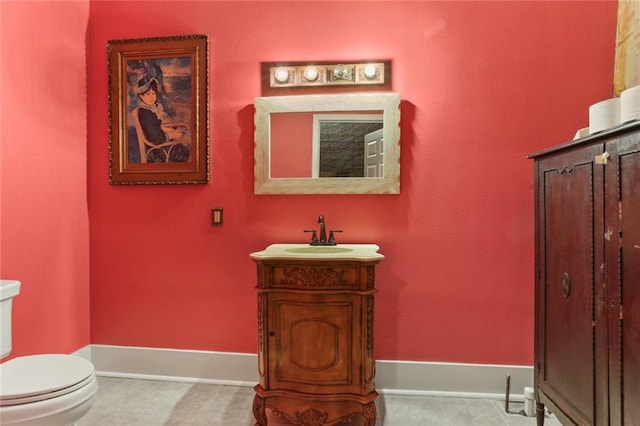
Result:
[{"x": 327, "y": 144}]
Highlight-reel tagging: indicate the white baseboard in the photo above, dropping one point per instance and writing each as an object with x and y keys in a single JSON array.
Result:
[
  {"x": 84, "y": 353},
  {"x": 175, "y": 364},
  {"x": 452, "y": 379},
  {"x": 228, "y": 368}
]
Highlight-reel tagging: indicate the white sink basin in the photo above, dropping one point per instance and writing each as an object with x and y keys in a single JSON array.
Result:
[
  {"x": 319, "y": 249},
  {"x": 306, "y": 251}
]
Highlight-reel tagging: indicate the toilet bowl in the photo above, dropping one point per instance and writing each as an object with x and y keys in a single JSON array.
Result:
[{"x": 42, "y": 390}]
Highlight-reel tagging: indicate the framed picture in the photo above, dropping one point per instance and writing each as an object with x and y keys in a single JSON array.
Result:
[
  {"x": 627, "y": 60},
  {"x": 158, "y": 110}
]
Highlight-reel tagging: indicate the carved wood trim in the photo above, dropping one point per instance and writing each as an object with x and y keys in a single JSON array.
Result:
[
  {"x": 370, "y": 413},
  {"x": 371, "y": 277},
  {"x": 261, "y": 349},
  {"x": 313, "y": 277},
  {"x": 313, "y": 417},
  {"x": 259, "y": 413},
  {"x": 370, "y": 362},
  {"x": 260, "y": 278},
  {"x": 370, "y": 311},
  {"x": 620, "y": 333}
]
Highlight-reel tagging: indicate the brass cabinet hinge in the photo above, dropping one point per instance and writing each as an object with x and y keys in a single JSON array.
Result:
[{"x": 602, "y": 158}]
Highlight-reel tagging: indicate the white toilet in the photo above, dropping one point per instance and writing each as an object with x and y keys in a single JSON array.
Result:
[{"x": 42, "y": 390}]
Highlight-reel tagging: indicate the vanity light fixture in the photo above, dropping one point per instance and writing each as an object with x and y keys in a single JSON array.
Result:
[{"x": 300, "y": 74}]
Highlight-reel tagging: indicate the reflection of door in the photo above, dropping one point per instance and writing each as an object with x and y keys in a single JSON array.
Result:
[
  {"x": 374, "y": 154},
  {"x": 338, "y": 141}
]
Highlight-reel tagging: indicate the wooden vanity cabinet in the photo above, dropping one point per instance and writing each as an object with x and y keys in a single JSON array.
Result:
[
  {"x": 587, "y": 292},
  {"x": 315, "y": 342}
]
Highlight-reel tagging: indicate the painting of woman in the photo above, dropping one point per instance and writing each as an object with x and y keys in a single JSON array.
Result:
[{"x": 155, "y": 136}]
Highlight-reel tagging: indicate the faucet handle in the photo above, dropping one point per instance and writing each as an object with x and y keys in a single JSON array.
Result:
[
  {"x": 332, "y": 239},
  {"x": 314, "y": 235}
]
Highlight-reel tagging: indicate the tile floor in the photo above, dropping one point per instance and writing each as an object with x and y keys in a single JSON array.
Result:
[{"x": 133, "y": 402}]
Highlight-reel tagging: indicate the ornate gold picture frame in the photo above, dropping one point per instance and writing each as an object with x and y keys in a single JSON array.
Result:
[{"x": 158, "y": 110}]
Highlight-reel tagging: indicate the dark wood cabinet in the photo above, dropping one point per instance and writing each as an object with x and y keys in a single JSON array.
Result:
[
  {"x": 315, "y": 340},
  {"x": 587, "y": 293}
]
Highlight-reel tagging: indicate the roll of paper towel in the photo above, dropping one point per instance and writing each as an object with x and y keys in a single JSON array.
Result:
[
  {"x": 630, "y": 104},
  {"x": 581, "y": 133},
  {"x": 604, "y": 115}
]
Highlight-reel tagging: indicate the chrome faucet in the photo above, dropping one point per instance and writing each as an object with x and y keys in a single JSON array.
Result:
[{"x": 322, "y": 241}]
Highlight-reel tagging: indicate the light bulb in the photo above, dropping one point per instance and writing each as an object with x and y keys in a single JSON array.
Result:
[
  {"x": 281, "y": 75},
  {"x": 311, "y": 73},
  {"x": 370, "y": 71}
]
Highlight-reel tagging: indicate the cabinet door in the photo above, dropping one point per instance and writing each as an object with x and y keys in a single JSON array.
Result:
[
  {"x": 313, "y": 342},
  {"x": 569, "y": 319},
  {"x": 623, "y": 277}
]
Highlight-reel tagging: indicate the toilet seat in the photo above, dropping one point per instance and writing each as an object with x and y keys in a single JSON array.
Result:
[{"x": 35, "y": 378}]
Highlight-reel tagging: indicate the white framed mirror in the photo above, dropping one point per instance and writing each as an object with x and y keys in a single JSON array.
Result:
[{"x": 327, "y": 144}]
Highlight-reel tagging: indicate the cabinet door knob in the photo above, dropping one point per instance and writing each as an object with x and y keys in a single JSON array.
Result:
[
  {"x": 272, "y": 333},
  {"x": 566, "y": 285}
]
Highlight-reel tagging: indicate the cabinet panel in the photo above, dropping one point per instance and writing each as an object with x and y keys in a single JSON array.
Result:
[
  {"x": 311, "y": 337},
  {"x": 623, "y": 276},
  {"x": 568, "y": 278},
  {"x": 630, "y": 280}
]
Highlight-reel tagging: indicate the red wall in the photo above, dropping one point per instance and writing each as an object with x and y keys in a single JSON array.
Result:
[
  {"x": 44, "y": 222},
  {"x": 482, "y": 84}
]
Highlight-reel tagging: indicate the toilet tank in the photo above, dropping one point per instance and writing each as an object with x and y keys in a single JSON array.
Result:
[{"x": 8, "y": 290}]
